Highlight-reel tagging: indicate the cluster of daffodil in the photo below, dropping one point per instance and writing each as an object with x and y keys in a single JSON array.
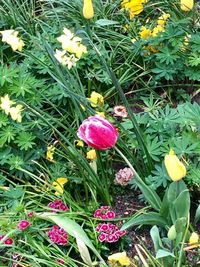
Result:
[
  {"x": 14, "y": 111},
  {"x": 11, "y": 38},
  {"x": 134, "y": 7},
  {"x": 72, "y": 47},
  {"x": 146, "y": 33}
]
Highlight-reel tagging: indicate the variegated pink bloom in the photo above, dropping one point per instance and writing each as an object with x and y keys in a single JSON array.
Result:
[
  {"x": 98, "y": 133},
  {"x": 23, "y": 224}
]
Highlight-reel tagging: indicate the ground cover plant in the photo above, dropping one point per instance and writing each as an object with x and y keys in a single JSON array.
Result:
[{"x": 99, "y": 101}]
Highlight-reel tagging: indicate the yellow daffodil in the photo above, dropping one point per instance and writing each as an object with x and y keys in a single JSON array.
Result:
[
  {"x": 145, "y": 33},
  {"x": 194, "y": 239},
  {"x": 187, "y": 5},
  {"x": 134, "y": 7},
  {"x": 81, "y": 49},
  {"x": 91, "y": 155},
  {"x": 102, "y": 114},
  {"x": 71, "y": 61},
  {"x": 120, "y": 258},
  {"x": 15, "y": 113},
  {"x": 162, "y": 19},
  {"x": 59, "y": 185},
  {"x": 88, "y": 10},
  {"x": 61, "y": 56},
  {"x": 50, "y": 152},
  {"x": 157, "y": 30},
  {"x": 6, "y": 104},
  {"x": 79, "y": 143},
  {"x": 11, "y": 38},
  {"x": 175, "y": 168},
  {"x": 96, "y": 99}
]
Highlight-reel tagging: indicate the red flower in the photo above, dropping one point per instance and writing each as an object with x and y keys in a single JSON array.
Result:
[
  {"x": 98, "y": 133},
  {"x": 57, "y": 205},
  {"x": 23, "y": 224},
  {"x": 110, "y": 214},
  {"x": 8, "y": 241}
]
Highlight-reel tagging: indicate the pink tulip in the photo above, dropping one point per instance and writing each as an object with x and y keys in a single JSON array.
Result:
[
  {"x": 23, "y": 224},
  {"x": 98, "y": 132}
]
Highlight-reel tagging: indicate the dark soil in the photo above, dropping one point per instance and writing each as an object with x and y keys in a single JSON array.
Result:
[{"x": 125, "y": 205}]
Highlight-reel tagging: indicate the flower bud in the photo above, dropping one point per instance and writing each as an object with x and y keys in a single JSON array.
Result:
[
  {"x": 172, "y": 233},
  {"x": 175, "y": 168},
  {"x": 194, "y": 238},
  {"x": 88, "y": 11}
]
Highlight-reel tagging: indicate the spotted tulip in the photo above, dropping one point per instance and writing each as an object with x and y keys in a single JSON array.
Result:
[
  {"x": 98, "y": 133},
  {"x": 88, "y": 10},
  {"x": 175, "y": 168},
  {"x": 187, "y": 5}
]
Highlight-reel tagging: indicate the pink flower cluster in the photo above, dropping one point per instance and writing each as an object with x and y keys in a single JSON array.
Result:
[
  {"x": 104, "y": 213},
  {"x": 109, "y": 232},
  {"x": 58, "y": 235},
  {"x": 8, "y": 240},
  {"x": 58, "y": 205}
]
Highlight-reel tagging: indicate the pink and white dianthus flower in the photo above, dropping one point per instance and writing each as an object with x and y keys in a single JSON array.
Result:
[
  {"x": 23, "y": 224},
  {"x": 58, "y": 235},
  {"x": 58, "y": 205}
]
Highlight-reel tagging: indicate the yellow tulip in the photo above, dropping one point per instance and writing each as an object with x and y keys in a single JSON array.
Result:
[
  {"x": 187, "y": 5},
  {"x": 194, "y": 238},
  {"x": 88, "y": 11},
  {"x": 175, "y": 168}
]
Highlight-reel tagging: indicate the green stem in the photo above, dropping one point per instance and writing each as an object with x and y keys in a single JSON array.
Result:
[{"x": 179, "y": 264}]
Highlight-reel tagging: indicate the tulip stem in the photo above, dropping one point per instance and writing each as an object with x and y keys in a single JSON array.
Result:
[{"x": 177, "y": 188}]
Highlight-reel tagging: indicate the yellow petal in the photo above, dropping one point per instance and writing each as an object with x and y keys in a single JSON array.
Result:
[
  {"x": 62, "y": 180},
  {"x": 194, "y": 238},
  {"x": 88, "y": 10},
  {"x": 175, "y": 168},
  {"x": 187, "y": 5},
  {"x": 91, "y": 155}
]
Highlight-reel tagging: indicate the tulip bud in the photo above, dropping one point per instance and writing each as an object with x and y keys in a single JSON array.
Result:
[
  {"x": 172, "y": 233},
  {"x": 88, "y": 11},
  {"x": 194, "y": 238},
  {"x": 175, "y": 168},
  {"x": 187, "y": 5}
]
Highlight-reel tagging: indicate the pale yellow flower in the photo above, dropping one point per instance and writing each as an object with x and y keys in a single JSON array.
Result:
[
  {"x": 6, "y": 104},
  {"x": 50, "y": 152},
  {"x": 175, "y": 168},
  {"x": 194, "y": 239},
  {"x": 61, "y": 56},
  {"x": 59, "y": 185},
  {"x": 96, "y": 99},
  {"x": 15, "y": 113},
  {"x": 11, "y": 38},
  {"x": 71, "y": 61},
  {"x": 120, "y": 258},
  {"x": 81, "y": 49},
  {"x": 91, "y": 155}
]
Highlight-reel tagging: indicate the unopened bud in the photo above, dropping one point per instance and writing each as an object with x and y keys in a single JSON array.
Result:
[
  {"x": 194, "y": 238},
  {"x": 172, "y": 233}
]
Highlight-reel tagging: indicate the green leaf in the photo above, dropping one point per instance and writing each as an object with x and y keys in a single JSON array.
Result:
[
  {"x": 164, "y": 253},
  {"x": 106, "y": 22},
  {"x": 73, "y": 228},
  {"x": 25, "y": 140},
  {"x": 197, "y": 215},
  {"x": 151, "y": 218},
  {"x": 154, "y": 232}
]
